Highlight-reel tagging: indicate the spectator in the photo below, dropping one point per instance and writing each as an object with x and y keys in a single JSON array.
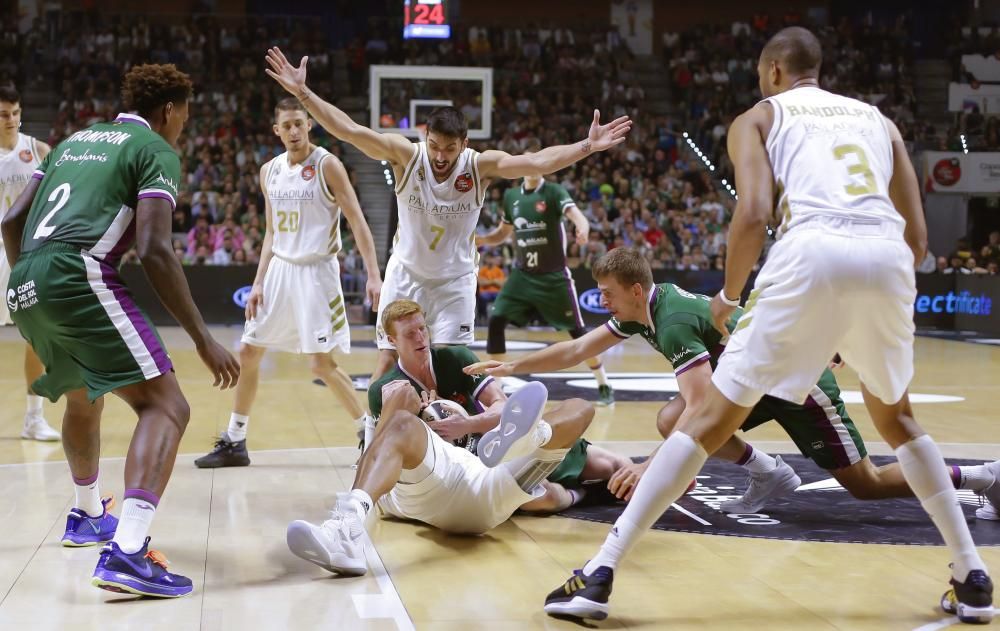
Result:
[{"x": 491, "y": 280}]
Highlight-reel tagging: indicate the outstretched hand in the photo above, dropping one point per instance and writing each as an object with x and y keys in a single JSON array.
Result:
[
  {"x": 291, "y": 78},
  {"x": 602, "y": 137},
  {"x": 490, "y": 367}
]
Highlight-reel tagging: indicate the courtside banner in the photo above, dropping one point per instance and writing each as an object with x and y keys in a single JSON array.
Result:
[
  {"x": 219, "y": 292},
  {"x": 956, "y": 172},
  {"x": 977, "y": 299}
]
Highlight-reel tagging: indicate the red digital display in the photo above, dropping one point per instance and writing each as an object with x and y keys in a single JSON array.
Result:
[{"x": 425, "y": 19}]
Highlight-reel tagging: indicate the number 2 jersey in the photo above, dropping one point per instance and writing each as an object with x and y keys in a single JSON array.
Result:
[
  {"x": 437, "y": 220},
  {"x": 831, "y": 156},
  {"x": 92, "y": 182}
]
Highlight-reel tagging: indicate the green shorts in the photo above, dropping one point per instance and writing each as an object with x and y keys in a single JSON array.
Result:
[
  {"x": 820, "y": 428},
  {"x": 551, "y": 295},
  {"x": 82, "y": 322},
  {"x": 571, "y": 468}
]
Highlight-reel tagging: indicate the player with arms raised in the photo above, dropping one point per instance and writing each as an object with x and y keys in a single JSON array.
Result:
[
  {"x": 441, "y": 185},
  {"x": 101, "y": 190}
]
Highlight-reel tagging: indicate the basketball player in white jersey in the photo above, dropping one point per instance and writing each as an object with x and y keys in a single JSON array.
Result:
[
  {"x": 839, "y": 278},
  {"x": 20, "y": 155},
  {"x": 296, "y": 304},
  {"x": 440, "y": 188}
]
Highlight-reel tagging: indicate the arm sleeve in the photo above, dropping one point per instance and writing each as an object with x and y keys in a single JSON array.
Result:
[
  {"x": 621, "y": 330},
  {"x": 562, "y": 198},
  {"x": 159, "y": 173},
  {"x": 682, "y": 346}
]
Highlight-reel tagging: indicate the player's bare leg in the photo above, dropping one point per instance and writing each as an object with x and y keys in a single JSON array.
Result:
[
  {"x": 971, "y": 594},
  {"x": 230, "y": 449},
  {"x": 339, "y": 382},
  {"x": 35, "y": 426},
  {"x": 768, "y": 477}
]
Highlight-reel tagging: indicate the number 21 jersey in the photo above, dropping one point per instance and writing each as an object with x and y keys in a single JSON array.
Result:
[{"x": 437, "y": 220}]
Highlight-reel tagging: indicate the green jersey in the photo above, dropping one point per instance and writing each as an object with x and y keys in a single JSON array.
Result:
[
  {"x": 681, "y": 330},
  {"x": 452, "y": 384},
  {"x": 539, "y": 234},
  {"x": 92, "y": 182}
]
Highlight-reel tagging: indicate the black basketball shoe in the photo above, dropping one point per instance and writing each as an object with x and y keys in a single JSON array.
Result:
[
  {"x": 225, "y": 453},
  {"x": 582, "y": 596},
  {"x": 972, "y": 600}
]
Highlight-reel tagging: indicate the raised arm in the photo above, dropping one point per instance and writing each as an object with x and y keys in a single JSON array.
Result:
[
  {"x": 393, "y": 148},
  {"x": 500, "y": 164},
  {"x": 555, "y": 357},
  {"x": 904, "y": 191},
  {"x": 337, "y": 179}
]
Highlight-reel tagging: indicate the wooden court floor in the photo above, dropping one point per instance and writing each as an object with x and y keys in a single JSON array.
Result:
[{"x": 225, "y": 528}]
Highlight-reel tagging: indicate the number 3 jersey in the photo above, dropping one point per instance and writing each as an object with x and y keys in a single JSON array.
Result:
[
  {"x": 831, "y": 156},
  {"x": 305, "y": 216},
  {"x": 437, "y": 220},
  {"x": 91, "y": 183}
]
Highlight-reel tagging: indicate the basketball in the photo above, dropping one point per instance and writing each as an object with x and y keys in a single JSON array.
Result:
[{"x": 442, "y": 409}]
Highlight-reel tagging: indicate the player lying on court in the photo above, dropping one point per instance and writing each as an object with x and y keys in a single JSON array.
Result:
[
  {"x": 540, "y": 281},
  {"x": 839, "y": 278},
  {"x": 678, "y": 324},
  {"x": 440, "y": 189},
  {"x": 296, "y": 304},
  {"x": 413, "y": 469}
]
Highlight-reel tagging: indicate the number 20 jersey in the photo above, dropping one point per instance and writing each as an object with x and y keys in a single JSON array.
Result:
[
  {"x": 437, "y": 220},
  {"x": 831, "y": 156},
  {"x": 305, "y": 217}
]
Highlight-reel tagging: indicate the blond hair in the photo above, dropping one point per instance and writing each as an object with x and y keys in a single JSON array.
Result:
[
  {"x": 396, "y": 311},
  {"x": 626, "y": 265}
]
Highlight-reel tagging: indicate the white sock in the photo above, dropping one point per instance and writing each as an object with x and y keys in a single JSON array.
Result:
[
  {"x": 670, "y": 472},
  {"x": 602, "y": 379},
  {"x": 576, "y": 496},
  {"x": 975, "y": 478},
  {"x": 34, "y": 406},
  {"x": 88, "y": 498},
  {"x": 359, "y": 501},
  {"x": 923, "y": 468},
  {"x": 758, "y": 462},
  {"x": 237, "y": 427},
  {"x": 133, "y": 525}
]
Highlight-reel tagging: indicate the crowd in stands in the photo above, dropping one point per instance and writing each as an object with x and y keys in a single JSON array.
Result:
[
  {"x": 966, "y": 259},
  {"x": 650, "y": 192},
  {"x": 975, "y": 59}
]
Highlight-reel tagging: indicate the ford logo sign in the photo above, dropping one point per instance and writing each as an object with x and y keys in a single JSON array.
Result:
[
  {"x": 591, "y": 301},
  {"x": 241, "y": 295}
]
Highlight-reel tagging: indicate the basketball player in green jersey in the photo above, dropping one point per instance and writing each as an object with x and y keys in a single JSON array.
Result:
[
  {"x": 540, "y": 282},
  {"x": 678, "y": 324},
  {"x": 101, "y": 190},
  {"x": 20, "y": 154}
]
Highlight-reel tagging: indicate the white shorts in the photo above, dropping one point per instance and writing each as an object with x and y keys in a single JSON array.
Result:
[
  {"x": 4, "y": 279},
  {"x": 459, "y": 494},
  {"x": 303, "y": 311},
  {"x": 829, "y": 286},
  {"x": 449, "y": 305}
]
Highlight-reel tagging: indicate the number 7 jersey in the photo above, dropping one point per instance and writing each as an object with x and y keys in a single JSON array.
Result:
[
  {"x": 92, "y": 183},
  {"x": 831, "y": 156},
  {"x": 437, "y": 220}
]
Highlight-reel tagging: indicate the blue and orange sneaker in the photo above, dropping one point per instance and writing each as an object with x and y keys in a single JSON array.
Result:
[
  {"x": 84, "y": 530},
  {"x": 143, "y": 573}
]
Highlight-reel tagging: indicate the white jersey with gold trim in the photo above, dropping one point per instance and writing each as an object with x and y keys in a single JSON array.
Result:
[
  {"x": 305, "y": 217},
  {"x": 16, "y": 167},
  {"x": 437, "y": 220},
  {"x": 832, "y": 156}
]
